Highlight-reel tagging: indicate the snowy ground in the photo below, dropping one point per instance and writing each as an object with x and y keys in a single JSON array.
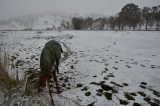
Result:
[{"x": 102, "y": 68}]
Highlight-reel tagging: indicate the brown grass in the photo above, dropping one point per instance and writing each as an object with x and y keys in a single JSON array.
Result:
[{"x": 8, "y": 81}]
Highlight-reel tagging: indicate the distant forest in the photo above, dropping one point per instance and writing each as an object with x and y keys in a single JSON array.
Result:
[{"x": 131, "y": 17}]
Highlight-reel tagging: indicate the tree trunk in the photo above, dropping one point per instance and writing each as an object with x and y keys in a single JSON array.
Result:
[
  {"x": 146, "y": 25},
  {"x": 139, "y": 26},
  {"x": 157, "y": 27}
]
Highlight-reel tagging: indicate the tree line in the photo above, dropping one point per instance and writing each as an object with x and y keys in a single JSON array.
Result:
[{"x": 131, "y": 17}]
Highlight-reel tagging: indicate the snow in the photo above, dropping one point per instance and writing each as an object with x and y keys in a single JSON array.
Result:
[
  {"x": 131, "y": 57},
  {"x": 139, "y": 50}
]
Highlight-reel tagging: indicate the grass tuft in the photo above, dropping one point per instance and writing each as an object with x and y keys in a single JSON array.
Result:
[{"x": 5, "y": 77}]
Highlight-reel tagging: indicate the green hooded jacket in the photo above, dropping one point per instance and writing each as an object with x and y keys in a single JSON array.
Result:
[{"x": 50, "y": 56}]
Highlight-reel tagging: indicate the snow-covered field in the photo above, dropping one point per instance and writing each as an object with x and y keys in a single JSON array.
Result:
[{"x": 102, "y": 68}]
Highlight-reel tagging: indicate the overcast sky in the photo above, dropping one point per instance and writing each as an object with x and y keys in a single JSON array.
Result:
[{"x": 12, "y": 8}]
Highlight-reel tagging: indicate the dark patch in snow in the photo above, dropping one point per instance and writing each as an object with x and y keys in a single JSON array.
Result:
[
  {"x": 91, "y": 104},
  {"x": 142, "y": 93},
  {"x": 79, "y": 85},
  {"x": 147, "y": 99},
  {"x": 87, "y": 93},
  {"x": 110, "y": 75},
  {"x": 115, "y": 68},
  {"x": 156, "y": 93},
  {"x": 95, "y": 76},
  {"x": 125, "y": 84},
  {"x": 102, "y": 82},
  {"x": 114, "y": 90},
  {"x": 72, "y": 67},
  {"x": 156, "y": 101},
  {"x": 95, "y": 83},
  {"x": 143, "y": 83},
  {"x": 106, "y": 69},
  {"x": 152, "y": 102},
  {"x": 105, "y": 78},
  {"x": 116, "y": 84},
  {"x": 103, "y": 72},
  {"x": 85, "y": 88},
  {"x": 99, "y": 94},
  {"x": 128, "y": 96},
  {"x": 136, "y": 104},
  {"x": 63, "y": 85},
  {"x": 116, "y": 62},
  {"x": 143, "y": 65},
  {"x": 100, "y": 90},
  {"x": 108, "y": 95},
  {"x": 128, "y": 66},
  {"x": 144, "y": 87},
  {"x": 123, "y": 102},
  {"x": 133, "y": 94},
  {"x": 106, "y": 87}
]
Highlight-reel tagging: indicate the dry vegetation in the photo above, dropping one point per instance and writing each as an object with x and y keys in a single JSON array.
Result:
[{"x": 5, "y": 77}]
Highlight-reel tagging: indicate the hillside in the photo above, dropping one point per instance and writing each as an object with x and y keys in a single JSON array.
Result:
[{"x": 36, "y": 21}]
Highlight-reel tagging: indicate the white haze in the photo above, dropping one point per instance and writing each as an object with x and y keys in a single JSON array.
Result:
[{"x": 12, "y": 8}]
